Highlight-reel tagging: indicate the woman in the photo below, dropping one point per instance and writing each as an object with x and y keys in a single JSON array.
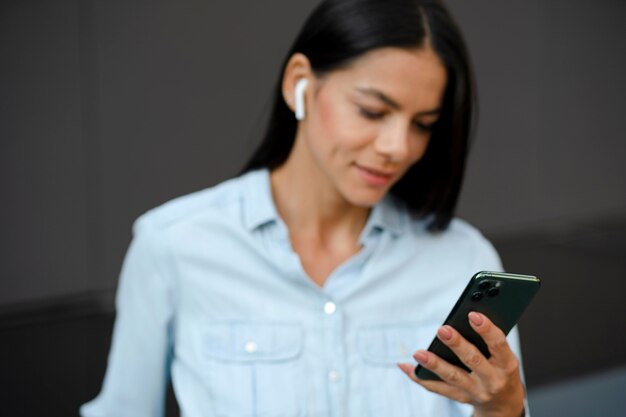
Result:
[{"x": 296, "y": 288}]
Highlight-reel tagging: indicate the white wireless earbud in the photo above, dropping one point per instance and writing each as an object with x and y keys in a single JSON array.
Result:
[{"x": 299, "y": 96}]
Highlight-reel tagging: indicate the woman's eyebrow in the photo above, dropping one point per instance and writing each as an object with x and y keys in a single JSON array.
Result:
[
  {"x": 379, "y": 95},
  {"x": 391, "y": 103}
]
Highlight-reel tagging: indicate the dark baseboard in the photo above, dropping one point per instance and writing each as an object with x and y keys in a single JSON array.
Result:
[{"x": 57, "y": 309}]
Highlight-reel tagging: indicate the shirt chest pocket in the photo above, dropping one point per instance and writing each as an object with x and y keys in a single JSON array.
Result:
[
  {"x": 388, "y": 344},
  {"x": 250, "y": 342},
  {"x": 253, "y": 368}
]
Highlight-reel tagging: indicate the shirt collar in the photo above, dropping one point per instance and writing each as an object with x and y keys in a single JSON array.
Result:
[
  {"x": 258, "y": 203},
  {"x": 389, "y": 214},
  {"x": 259, "y": 209}
]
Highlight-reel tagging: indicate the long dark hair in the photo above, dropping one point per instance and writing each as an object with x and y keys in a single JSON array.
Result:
[{"x": 339, "y": 31}]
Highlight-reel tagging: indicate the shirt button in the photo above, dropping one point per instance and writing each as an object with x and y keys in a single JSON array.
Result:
[
  {"x": 330, "y": 307},
  {"x": 333, "y": 376},
  {"x": 251, "y": 347}
]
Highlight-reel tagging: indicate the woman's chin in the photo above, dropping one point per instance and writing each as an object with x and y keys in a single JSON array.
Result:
[{"x": 365, "y": 198}]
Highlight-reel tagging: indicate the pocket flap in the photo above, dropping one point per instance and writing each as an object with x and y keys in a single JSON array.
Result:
[
  {"x": 388, "y": 344},
  {"x": 243, "y": 341}
]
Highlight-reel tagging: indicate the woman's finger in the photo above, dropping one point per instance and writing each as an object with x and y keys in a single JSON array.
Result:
[
  {"x": 466, "y": 352},
  {"x": 438, "y": 387},
  {"x": 501, "y": 353},
  {"x": 448, "y": 373}
]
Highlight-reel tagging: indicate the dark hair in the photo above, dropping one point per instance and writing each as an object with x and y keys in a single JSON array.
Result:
[{"x": 339, "y": 31}]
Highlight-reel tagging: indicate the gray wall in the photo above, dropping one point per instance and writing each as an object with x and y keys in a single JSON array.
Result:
[
  {"x": 108, "y": 108},
  {"x": 551, "y": 145}
]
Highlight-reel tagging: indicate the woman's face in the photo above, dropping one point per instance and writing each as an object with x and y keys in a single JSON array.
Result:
[{"x": 366, "y": 124}]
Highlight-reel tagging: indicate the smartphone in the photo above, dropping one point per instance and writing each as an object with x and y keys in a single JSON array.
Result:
[{"x": 502, "y": 297}]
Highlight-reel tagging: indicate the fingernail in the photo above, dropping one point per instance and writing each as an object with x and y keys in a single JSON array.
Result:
[
  {"x": 405, "y": 367},
  {"x": 475, "y": 318},
  {"x": 444, "y": 333},
  {"x": 421, "y": 357}
]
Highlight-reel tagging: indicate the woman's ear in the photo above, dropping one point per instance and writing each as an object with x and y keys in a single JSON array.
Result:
[{"x": 295, "y": 80}]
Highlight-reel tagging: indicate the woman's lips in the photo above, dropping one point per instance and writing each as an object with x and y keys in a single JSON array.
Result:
[{"x": 374, "y": 176}]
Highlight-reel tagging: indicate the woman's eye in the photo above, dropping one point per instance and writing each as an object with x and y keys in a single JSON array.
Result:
[
  {"x": 371, "y": 115},
  {"x": 424, "y": 127}
]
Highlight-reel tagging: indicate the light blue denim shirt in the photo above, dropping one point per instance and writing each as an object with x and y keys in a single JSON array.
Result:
[{"x": 212, "y": 294}]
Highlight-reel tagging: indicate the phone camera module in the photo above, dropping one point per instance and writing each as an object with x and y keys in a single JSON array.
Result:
[
  {"x": 484, "y": 285},
  {"x": 492, "y": 292},
  {"x": 477, "y": 296}
]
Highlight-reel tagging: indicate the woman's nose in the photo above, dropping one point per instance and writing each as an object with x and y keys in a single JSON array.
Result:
[{"x": 393, "y": 142}]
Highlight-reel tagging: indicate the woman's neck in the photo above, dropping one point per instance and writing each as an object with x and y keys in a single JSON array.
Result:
[{"x": 312, "y": 207}]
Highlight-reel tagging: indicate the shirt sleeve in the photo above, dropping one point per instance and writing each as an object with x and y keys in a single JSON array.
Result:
[{"x": 138, "y": 364}]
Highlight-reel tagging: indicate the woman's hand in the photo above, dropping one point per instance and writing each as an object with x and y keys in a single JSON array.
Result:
[{"x": 494, "y": 387}]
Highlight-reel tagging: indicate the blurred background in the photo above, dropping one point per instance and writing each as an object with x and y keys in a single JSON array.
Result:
[{"x": 109, "y": 108}]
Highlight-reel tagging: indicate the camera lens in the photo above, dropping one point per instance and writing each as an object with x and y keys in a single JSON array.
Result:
[
  {"x": 484, "y": 285},
  {"x": 492, "y": 292},
  {"x": 477, "y": 296}
]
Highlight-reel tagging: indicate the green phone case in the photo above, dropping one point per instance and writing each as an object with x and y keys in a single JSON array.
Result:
[{"x": 502, "y": 297}]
